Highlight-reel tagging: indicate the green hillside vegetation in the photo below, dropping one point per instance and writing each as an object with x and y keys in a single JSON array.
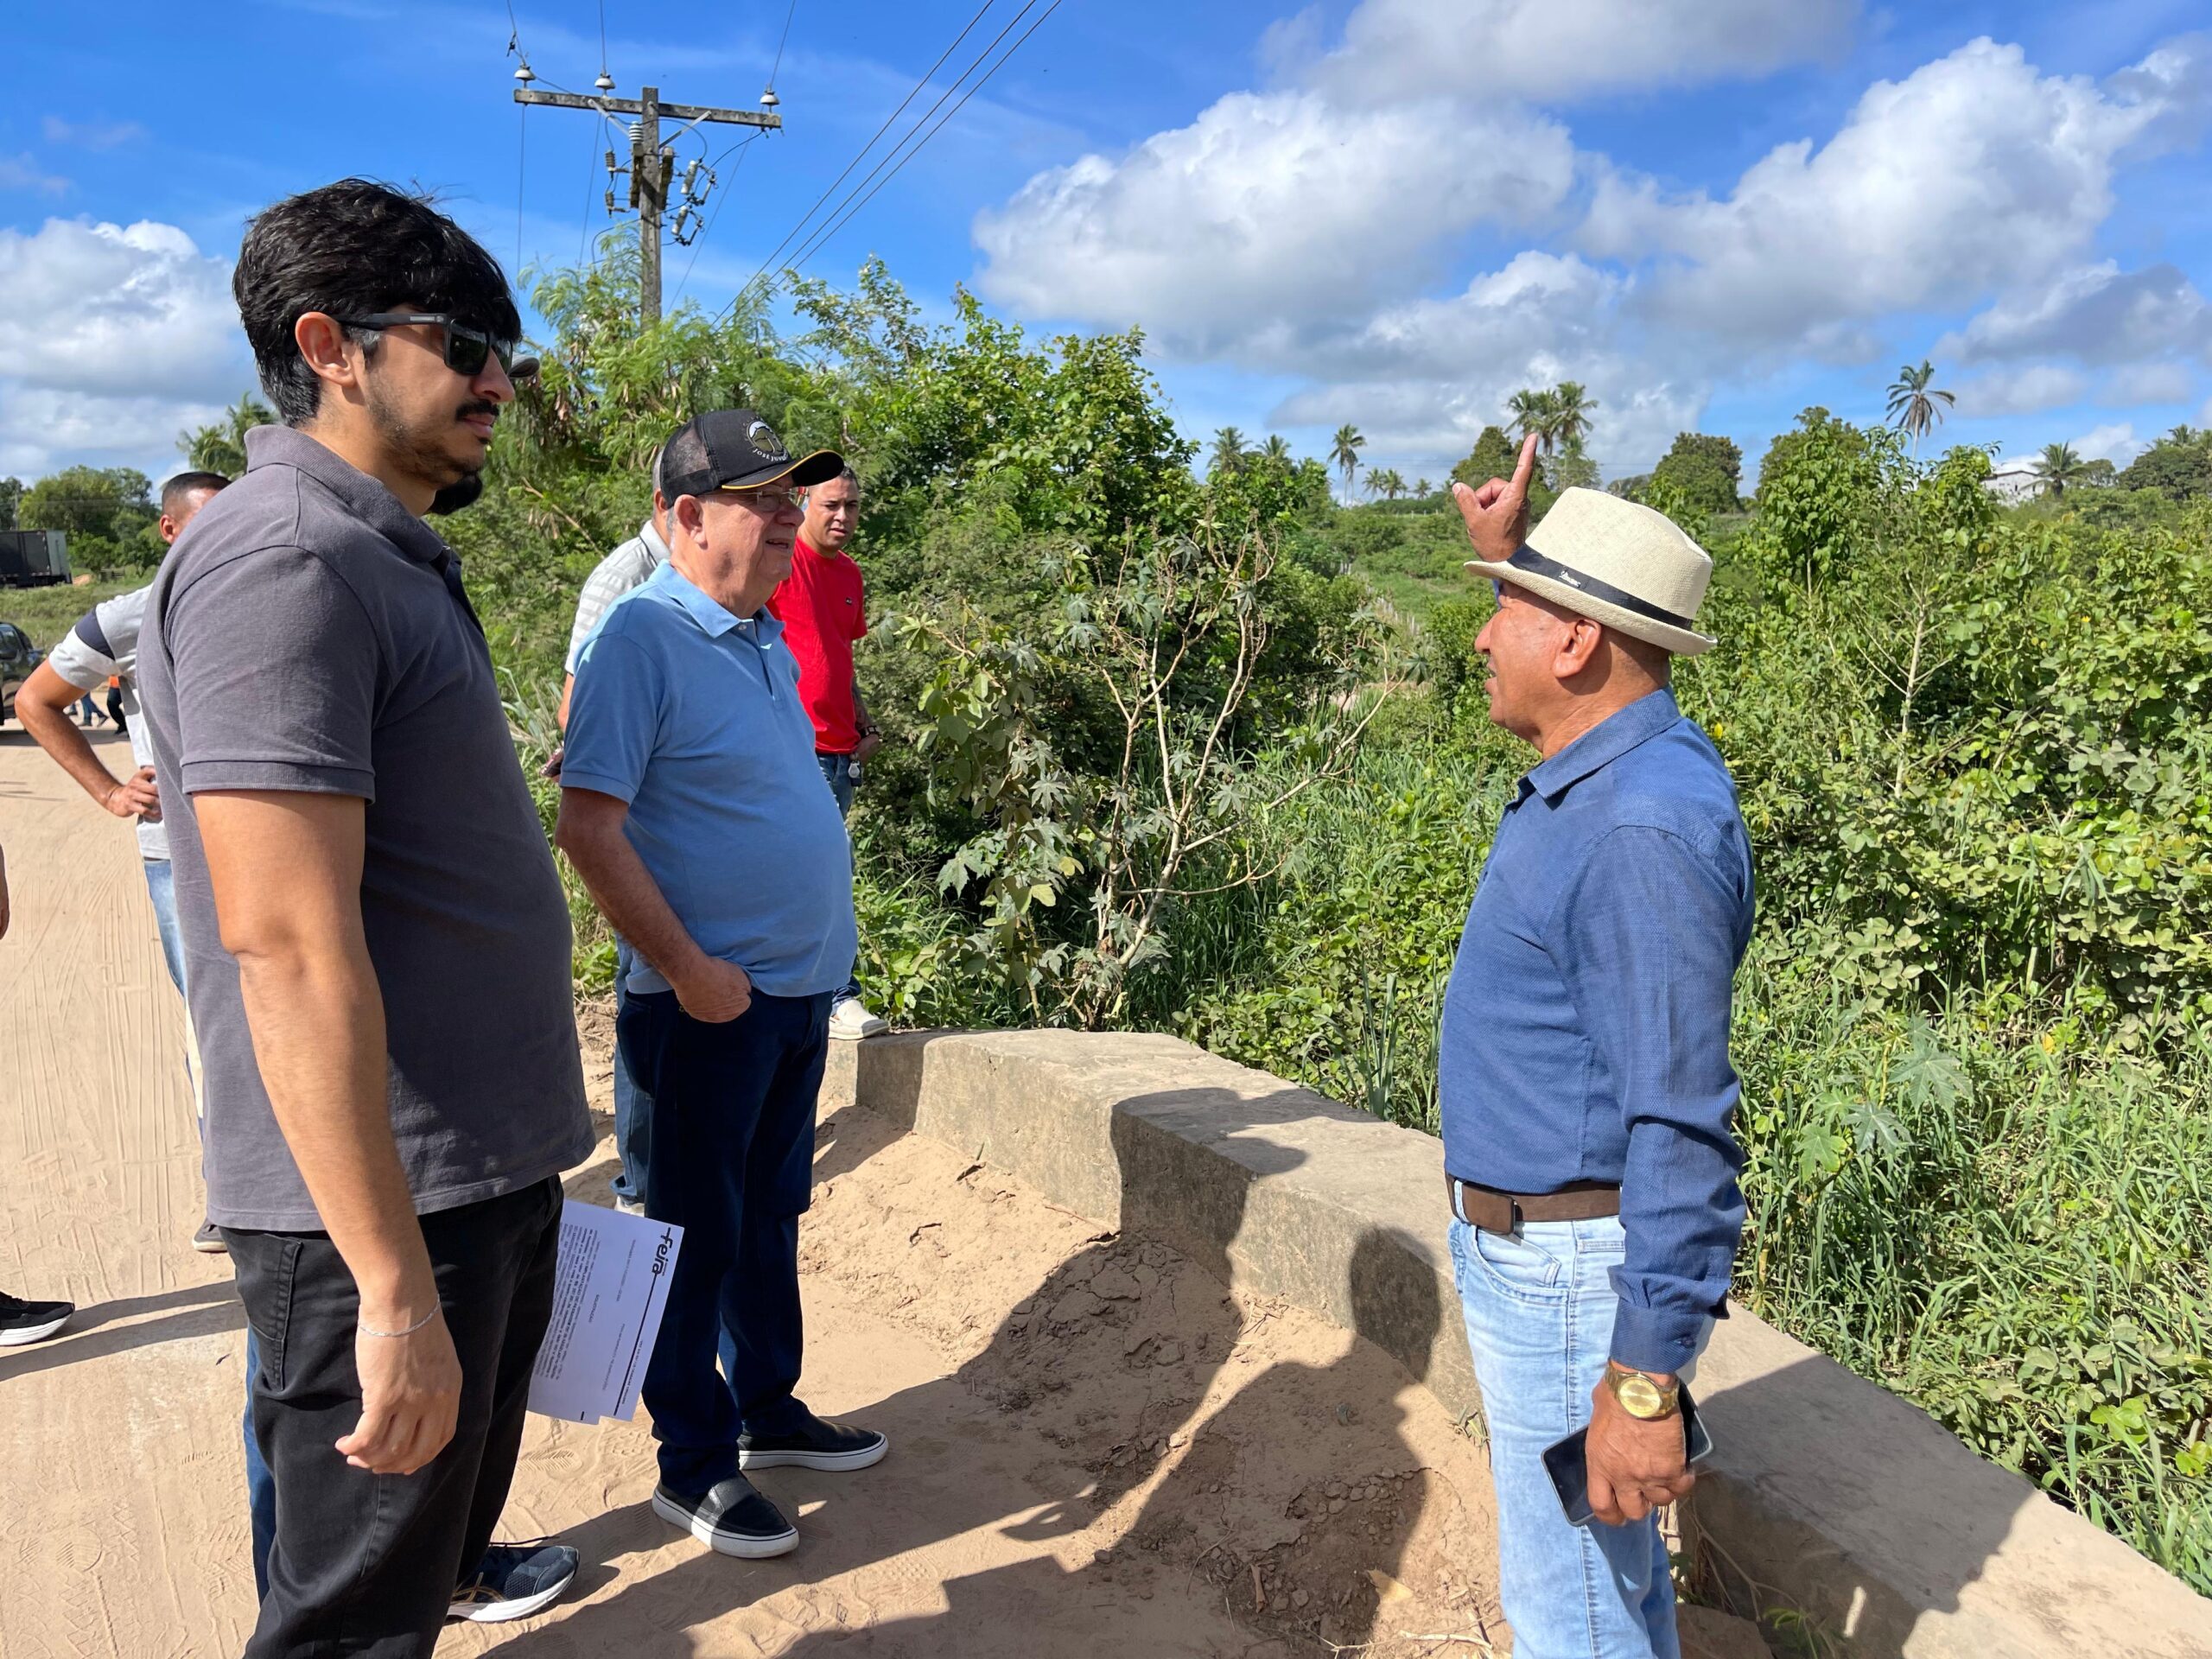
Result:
[{"x": 1211, "y": 757}]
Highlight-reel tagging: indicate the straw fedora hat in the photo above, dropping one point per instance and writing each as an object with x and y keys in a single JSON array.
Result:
[{"x": 1617, "y": 562}]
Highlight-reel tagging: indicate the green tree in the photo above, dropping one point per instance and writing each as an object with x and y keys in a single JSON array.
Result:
[
  {"x": 1571, "y": 468},
  {"x": 220, "y": 446},
  {"x": 107, "y": 513},
  {"x": 1344, "y": 452},
  {"x": 2058, "y": 467},
  {"x": 1229, "y": 451},
  {"x": 1703, "y": 470},
  {"x": 11, "y": 493},
  {"x": 1571, "y": 407},
  {"x": 1391, "y": 484},
  {"x": 1493, "y": 456},
  {"x": 1373, "y": 482},
  {"x": 1535, "y": 413},
  {"x": 1916, "y": 405},
  {"x": 1423, "y": 488},
  {"x": 2178, "y": 465},
  {"x": 1277, "y": 447},
  {"x": 1826, "y": 489}
]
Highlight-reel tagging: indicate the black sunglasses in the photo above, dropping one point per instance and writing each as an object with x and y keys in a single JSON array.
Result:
[{"x": 467, "y": 348}]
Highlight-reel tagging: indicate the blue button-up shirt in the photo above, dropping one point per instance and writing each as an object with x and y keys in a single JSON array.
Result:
[
  {"x": 1585, "y": 1026},
  {"x": 692, "y": 715}
]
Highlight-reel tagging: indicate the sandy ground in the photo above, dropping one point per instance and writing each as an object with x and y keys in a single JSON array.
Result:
[{"x": 1096, "y": 1449}]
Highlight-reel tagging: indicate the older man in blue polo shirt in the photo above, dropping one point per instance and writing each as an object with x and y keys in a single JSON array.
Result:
[
  {"x": 1586, "y": 1088},
  {"x": 692, "y": 806}
]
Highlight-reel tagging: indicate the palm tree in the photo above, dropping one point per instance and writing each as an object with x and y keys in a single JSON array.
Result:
[
  {"x": 1422, "y": 488},
  {"x": 1536, "y": 412},
  {"x": 2058, "y": 466},
  {"x": 1345, "y": 452},
  {"x": 221, "y": 447},
  {"x": 1228, "y": 450},
  {"x": 1571, "y": 407},
  {"x": 1913, "y": 401},
  {"x": 1389, "y": 482},
  {"x": 1374, "y": 481},
  {"x": 1277, "y": 447}
]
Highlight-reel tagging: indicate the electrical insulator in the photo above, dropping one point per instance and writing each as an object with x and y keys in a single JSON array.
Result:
[
  {"x": 637, "y": 132},
  {"x": 768, "y": 98},
  {"x": 610, "y": 201},
  {"x": 691, "y": 175},
  {"x": 605, "y": 83},
  {"x": 611, "y": 169},
  {"x": 524, "y": 74}
]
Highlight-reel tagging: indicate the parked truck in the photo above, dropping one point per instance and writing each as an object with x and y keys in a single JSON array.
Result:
[{"x": 33, "y": 558}]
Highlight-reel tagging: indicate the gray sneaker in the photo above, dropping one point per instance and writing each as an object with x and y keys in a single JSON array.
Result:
[{"x": 208, "y": 1240}]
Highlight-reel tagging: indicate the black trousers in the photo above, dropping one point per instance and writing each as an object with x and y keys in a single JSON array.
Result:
[
  {"x": 732, "y": 1163},
  {"x": 367, "y": 1564}
]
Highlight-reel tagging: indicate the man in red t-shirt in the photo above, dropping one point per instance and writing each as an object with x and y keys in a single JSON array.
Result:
[{"x": 821, "y": 607}]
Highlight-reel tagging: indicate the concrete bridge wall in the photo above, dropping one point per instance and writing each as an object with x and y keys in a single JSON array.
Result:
[{"x": 1827, "y": 1494}]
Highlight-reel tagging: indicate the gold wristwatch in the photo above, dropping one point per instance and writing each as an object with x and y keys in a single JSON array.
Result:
[{"x": 1643, "y": 1396}]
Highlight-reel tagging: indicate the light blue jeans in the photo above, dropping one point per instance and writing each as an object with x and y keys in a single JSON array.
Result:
[
  {"x": 1538, "y": 1308},
  {"x": 260, "y": 1488}
]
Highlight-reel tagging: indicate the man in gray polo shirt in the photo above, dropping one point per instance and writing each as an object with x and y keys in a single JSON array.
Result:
[{"x": 376, "y": 942}]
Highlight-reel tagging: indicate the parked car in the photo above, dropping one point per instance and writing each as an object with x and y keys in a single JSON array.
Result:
[{"x": 17, "y": 658}]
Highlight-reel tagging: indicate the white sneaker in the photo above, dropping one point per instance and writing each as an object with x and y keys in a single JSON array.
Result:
[
  {"x": 850, "y": 1019},
  {"x": 630, "y": 1206}
]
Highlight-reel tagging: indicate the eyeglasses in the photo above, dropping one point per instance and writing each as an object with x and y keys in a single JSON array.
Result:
[
  {"x": 766, "y": 502},
  {"x": 467, "y": 348}
]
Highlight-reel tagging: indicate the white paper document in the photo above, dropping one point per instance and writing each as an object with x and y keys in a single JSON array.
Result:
[{"x": 608, "y": 1292}]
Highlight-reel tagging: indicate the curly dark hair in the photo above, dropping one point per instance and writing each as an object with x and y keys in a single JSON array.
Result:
[{"x": 349, "y": 249}]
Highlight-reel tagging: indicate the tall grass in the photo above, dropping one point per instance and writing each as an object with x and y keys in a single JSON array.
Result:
[{"x": 1979, "y": 1207}]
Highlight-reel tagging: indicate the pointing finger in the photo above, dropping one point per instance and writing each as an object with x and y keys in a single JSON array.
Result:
[{"x": 1526, "y": 468}]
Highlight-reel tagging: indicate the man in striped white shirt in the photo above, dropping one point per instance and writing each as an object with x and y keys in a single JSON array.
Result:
[{"x": 628, "y": 566}]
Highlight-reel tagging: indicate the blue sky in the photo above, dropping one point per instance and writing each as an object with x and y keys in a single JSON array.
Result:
[{"x": 1390, "y": 211}]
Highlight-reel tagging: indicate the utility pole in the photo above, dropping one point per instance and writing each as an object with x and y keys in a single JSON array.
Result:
[{"x": 652, "y": 164}]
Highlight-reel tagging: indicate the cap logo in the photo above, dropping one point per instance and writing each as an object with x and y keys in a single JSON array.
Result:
[{"x": 762, "y": 437}]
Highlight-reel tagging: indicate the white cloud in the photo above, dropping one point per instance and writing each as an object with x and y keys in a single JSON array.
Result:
[
  {"x": 1546, "y": 51},
  {"x": 1972, "y": 172},
  {"x": 91, "y": 134},
  {"x": 1302, "y": 233},
  {"x": 1271, "y": 211},
  {"x": 2023, "y": 389},
  {"x": 2149, "y": 383},
  {"x": 112, "y": 339},
  {"x": 2115, "y": 442},
  {"x": 22, "y": 172},
  {"x": 2097, "y": 314}
]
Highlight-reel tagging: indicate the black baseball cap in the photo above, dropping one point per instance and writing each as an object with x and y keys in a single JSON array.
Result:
[{"x": 736, "y": 449}]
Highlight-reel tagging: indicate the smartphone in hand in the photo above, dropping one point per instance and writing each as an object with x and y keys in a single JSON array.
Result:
[{"x": 1567, "y": 1464}]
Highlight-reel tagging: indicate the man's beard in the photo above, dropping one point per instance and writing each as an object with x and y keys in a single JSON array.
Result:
[
  {"x": 455, "y": 496},
  {"x": 423, "y": 456}
]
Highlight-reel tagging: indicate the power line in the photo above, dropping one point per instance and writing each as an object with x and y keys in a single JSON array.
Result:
[
  {"x": 780, "y": 39},
  {"x": 769, "y": 262},
  {"x": 821, "y": 240}
]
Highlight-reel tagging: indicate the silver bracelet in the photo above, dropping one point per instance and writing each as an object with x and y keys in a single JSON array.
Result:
[{"x": 435, "y": 1309}]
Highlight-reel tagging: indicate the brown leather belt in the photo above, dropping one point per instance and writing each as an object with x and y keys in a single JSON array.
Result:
[{"x": 1493, "y": 1211}]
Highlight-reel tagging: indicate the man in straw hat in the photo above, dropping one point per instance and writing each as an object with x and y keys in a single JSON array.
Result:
[{"x": 1584, "y": 1062}]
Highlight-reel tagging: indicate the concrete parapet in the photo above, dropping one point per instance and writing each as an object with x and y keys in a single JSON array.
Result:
[{"x": 1827, "y": 1495}]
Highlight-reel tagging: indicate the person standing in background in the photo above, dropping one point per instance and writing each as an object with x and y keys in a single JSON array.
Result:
[
  {"x": 823, "y": 606},
  {"x": 628, "y": 566},
  {"x": 22, "y": 1322},
  {"x": 102, "y": 648}
]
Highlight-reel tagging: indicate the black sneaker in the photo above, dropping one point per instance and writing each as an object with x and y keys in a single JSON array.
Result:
[
  {"x": 731, "y": 1518},
  {"x": 814, "y": 1445},
  {"x": 208, "y": 1240},
  {"x": 514, "y": 1581},
  {"x": 24, "y": 1322}
]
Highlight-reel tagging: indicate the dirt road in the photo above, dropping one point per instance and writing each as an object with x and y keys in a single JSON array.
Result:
[{"x": 1096, "y": 1450}]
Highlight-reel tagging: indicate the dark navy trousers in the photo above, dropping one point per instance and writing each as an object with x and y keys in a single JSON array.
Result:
[{"x": 731, "y": 1161}]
